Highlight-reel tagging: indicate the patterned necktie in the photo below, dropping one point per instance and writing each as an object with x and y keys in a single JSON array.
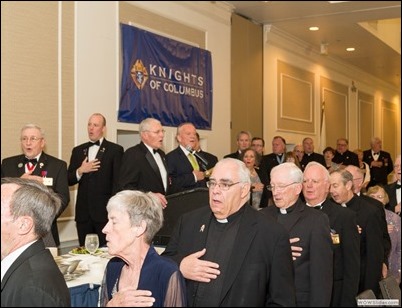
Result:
[{"x": 193, "y": 161}]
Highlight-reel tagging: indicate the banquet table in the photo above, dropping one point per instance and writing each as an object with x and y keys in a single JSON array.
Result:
[{"x": 85, "y": 282}]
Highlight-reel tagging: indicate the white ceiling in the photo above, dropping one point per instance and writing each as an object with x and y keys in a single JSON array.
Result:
[{"x": 339, "y": 28}]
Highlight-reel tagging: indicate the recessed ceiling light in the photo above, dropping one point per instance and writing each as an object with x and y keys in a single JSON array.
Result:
[
  {"x": 314, "y": 28},
  {"x": 350, "y": 49}
]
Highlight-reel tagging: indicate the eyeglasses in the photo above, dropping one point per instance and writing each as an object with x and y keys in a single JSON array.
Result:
[
  {"x": 157, "y": 132},
  {"x": 257, "y": 145},
  {"x": 222, "y": 186},
  {"x": 279, "y": 187},
  {"x": 31, "y": 139}
]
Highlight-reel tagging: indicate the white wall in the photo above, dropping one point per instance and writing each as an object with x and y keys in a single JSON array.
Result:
[{"x": 97, "y": 72}]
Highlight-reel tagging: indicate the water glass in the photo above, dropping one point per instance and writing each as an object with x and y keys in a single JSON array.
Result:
[{"x": 91, "y": 242}]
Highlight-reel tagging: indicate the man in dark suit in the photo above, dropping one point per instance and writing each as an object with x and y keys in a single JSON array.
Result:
[
  {"x": 35, "y": 164},
  {"x": 30, "y": 276},
  {"x": 95, "y": 166},
  {"x": 309, "y": 154},
  {"x": 243, "y": 142},
  {"x": 185, "y": 172},
  {"x": 230, "y": 254},
  {"x": 343, "y": 156},
  {"x": 314, "y": 267},
  {"x": 344, "y": 234},
  {"x": 358, "y": 178},
  {"x": 380, "y": 163},
  {"x": 394, "y": 189},
  {"x": 144, "y": 165},
  {"x": 369, "y": 222}
]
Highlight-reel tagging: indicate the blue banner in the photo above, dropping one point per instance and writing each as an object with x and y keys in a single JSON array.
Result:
[{"x": 164, "y": 79}]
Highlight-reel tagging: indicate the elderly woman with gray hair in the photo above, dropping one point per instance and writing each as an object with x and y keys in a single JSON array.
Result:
[
  {"x": 137, "y": 276},
  {"x": 394, "y": 230}
]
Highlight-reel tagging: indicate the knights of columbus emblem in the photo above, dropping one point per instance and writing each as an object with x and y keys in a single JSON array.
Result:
[{"x": 139, "y": 74}]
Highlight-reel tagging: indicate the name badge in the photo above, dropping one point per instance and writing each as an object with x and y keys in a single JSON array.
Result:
[
  {"x": 335, "y": 239},
  {"x": 48, "y": 181}
]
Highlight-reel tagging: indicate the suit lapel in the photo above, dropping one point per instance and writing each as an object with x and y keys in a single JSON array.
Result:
[
  {"x": 102, "y": 150},
  {"x": 20, "y": 166},
  {"x": 152, "y": 162},
  {"x": 294, "y": 216},
  {"x": 200, "y": 240},
  {"x": 244, "y": 236},
  {"x": 41, "y": 165}
]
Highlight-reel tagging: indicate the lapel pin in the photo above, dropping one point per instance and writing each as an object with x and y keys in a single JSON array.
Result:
[
  {"x": 20, "y": 165},
  {"x": 202, "y": 228}
]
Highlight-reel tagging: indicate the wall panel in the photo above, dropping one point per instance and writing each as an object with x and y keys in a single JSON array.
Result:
[
  {"x": 389, "y": 128},
  {"x": 335, "y": 98},
  {"x": 366, "y": 119},
  {"x": 295, "y": 99}
]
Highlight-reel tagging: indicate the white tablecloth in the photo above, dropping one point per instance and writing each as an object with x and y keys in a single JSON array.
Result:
[{"x": 94, "y": 267}]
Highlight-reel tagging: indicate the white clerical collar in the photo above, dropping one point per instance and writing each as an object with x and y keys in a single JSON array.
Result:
[
  {"x": 222, "y": 221},
  {"x": 318, "y": 204}
]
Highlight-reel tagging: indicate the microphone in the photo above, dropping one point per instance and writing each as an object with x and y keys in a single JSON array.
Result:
[{"x": 202, "y": 159}]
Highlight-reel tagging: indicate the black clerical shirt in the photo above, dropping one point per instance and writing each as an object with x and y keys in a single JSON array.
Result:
[{"x": 220, "y": 243}]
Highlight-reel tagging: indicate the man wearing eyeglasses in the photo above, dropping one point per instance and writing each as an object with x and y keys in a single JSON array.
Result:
[
  {"x": 37, "y": 165},
  {"x": 230, "y": 254},
  {"x": 314, "y": 267},
  {"x": 144, "y": 165}
]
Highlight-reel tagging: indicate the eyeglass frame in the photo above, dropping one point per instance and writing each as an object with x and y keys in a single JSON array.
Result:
[
  {"x": 226, "y": 186},
  {"x": 280, "y": 187},
  {"x": 31, "y": 139}
]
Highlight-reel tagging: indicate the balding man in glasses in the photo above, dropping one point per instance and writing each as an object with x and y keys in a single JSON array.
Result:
[{"x": 230, "y": 254}]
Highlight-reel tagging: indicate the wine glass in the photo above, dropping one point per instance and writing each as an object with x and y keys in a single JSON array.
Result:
[{"x": 91, "y": 242}]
